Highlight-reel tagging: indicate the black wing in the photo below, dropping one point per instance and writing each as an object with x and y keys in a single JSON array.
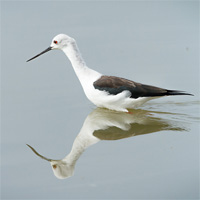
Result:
[{"x": 115, "y": 85}]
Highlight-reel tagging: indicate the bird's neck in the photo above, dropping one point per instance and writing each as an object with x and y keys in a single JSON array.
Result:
[
  {"x": 79, "y": 65},
  {"x": 83, "y": 140},
  {"x": 74, "y": 55},
  {"x": 73, "y": 156}
]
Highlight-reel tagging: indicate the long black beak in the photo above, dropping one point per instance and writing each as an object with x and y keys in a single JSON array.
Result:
[
  {"x": 47, "y": 159},
  {"x": 46, "y": 50}
]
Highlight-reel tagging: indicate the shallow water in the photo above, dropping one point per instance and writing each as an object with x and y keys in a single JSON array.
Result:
[
  {"x": 151, "y": 150},
  {"x": 150, "y": 153}
]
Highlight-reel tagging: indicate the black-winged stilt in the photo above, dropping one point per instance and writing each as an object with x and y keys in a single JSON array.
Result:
[
  {"x": 103, "y": 124},
  {"x": 110, "y": 92}
]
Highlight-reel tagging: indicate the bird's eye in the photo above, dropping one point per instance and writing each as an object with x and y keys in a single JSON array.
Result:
[
  {"x": 55, "y": 42},
  {"x": 54, "y": 166}
]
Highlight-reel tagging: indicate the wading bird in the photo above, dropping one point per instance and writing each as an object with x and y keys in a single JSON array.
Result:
[
  {"x": 104, "y": 124},
  {"x": 110, "y": 92}
]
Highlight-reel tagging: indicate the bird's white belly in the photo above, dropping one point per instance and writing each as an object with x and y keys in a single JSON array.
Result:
[{"x": 119, "y": 102}]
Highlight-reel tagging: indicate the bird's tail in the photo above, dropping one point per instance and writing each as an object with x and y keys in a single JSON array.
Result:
[{"x": 177, "y": 92}]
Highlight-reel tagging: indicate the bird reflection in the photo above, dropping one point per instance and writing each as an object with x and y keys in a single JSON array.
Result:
[{"x": 103, "y": 124}]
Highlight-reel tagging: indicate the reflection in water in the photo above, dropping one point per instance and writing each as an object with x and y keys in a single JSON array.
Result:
[{"x": 103, "y": 124}]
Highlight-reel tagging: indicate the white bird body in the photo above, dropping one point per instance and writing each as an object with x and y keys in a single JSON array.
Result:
[
  {"x": 106, "y": 91},
  {"x": 100, "y": 98}
]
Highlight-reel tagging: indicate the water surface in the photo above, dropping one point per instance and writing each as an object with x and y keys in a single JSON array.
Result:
[{"x": 152, "y": 153}]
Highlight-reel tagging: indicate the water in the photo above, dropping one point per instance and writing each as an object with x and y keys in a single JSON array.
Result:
[{"x": 152, "y": 153}]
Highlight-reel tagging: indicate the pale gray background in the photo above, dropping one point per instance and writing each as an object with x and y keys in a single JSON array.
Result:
[{"x": 153, "y": 42}]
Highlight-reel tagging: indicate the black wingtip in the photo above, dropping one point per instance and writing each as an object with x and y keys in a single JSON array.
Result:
[{"x": 177, "y": 92}]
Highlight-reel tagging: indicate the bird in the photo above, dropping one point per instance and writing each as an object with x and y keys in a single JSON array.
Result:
[
  {"x": 111, "y": 92},
  {"x": 103, "y": 124}
]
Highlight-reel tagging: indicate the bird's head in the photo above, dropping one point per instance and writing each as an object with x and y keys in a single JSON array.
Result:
[
  {"x": 61, "y": 168},
  {"x": 60, "y": 41}
]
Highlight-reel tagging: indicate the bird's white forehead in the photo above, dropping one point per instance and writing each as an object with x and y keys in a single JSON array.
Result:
[{"x": 61, "y": 37}]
